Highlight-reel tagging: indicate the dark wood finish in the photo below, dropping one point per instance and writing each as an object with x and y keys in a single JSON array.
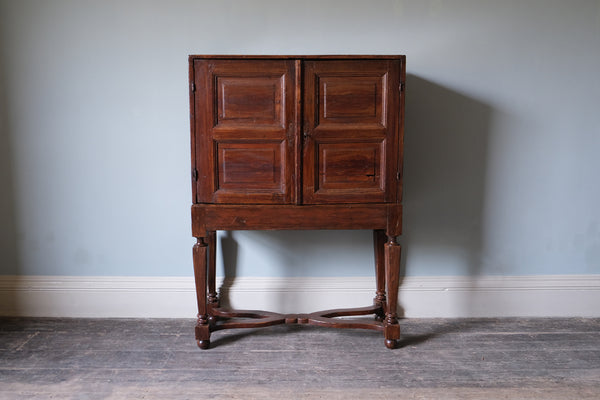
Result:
[
  {"x": 350, "y": 130},
  {"x": 246, "y": 123},
  {"x": 210, "y": 217},
  {"x": 297, "y": 177},
  {"x": 297, "y": 57},
  {"x": 392, "y": 275},
  {"x": 297, "y": 142},
  {"x": 202, "y": 327}
]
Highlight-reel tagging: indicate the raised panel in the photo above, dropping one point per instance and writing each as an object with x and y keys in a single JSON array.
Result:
[
  {"x": 250, "y": 100},
  {"x": 351, "y": 99},
  {"x": 249, "y": 166},
  {"x": 349, "y": 166}
]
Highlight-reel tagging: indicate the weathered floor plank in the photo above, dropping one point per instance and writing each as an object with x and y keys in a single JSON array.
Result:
[{"x": 149, "y": 358}]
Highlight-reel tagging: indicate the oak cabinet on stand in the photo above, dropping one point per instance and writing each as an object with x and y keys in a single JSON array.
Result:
[{"x": 297, "y": 142}]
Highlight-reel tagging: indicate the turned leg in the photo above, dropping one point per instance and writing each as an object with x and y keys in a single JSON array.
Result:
[
  {"x": 379, "y": 247},
  {"x": 200, "y": 272},
  {"x": 213, "y": 299},
  {"x": 392, "y": 273}
]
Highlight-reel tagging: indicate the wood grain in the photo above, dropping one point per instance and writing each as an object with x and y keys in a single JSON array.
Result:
[{"x": 300, "y": 57}]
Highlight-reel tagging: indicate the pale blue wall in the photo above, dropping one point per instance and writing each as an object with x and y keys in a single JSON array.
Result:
[{"x": 502, "y": 139}]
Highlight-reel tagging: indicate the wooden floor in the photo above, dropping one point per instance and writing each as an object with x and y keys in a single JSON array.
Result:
[{"x": 439, "y": 359}]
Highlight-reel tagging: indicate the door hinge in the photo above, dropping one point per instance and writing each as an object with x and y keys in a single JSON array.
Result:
[
  {"x": 194, "y": 174},
  {"x": 402, "y": 86},
  {"x": 192, "y": 86},
  {"x": 398, "y": 175}
]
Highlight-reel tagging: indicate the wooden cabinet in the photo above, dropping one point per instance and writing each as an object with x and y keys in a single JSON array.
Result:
[{"x": 297, "y": 142}]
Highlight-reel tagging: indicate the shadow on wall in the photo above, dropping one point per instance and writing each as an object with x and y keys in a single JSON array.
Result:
[
  {"x": 446, "y": 144},
  {"x": 229, "y": 252},
  {"x": 314, "y": 253},
  {"x": 9, "y": 260}
]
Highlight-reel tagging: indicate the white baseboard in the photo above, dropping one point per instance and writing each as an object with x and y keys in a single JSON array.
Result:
[{"x": 174, "y": 297}]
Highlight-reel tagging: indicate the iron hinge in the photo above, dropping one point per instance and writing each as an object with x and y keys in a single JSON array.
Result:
[
  {"x": 402, "y": 86},
  {"x": 192, "y": 86},
  {"x": 398, "y": 175},
  {"x": 194, "y": 174}
]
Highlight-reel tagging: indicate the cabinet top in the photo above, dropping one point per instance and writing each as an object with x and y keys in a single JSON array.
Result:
[{"x": 300, "y": 57}]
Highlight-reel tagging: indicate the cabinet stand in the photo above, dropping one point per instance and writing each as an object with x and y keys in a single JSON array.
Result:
[{"x": 383, "y": 219}]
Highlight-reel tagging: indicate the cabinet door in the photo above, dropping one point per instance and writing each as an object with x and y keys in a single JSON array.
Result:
[
  {"x": 245, "y": 130},
  {"x": 351, "y": 112}
]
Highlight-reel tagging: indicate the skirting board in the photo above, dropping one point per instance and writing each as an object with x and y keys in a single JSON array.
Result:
[{"x": 420, "y": 297}]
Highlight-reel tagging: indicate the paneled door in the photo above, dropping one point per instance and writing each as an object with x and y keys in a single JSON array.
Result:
[
  {"x": 350, "y": 129},
  {"x": 245, "y": 129}
]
